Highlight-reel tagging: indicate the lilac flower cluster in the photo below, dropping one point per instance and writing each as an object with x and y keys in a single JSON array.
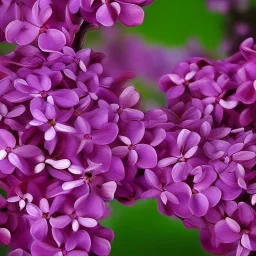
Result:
[
  {"x": 73, "y": 138},
  {"x": 68, "y": 133},
  {"x": 107, "y": 12},
  {"x": 205, "y": 142},
  {"x": 54, "y": 23}
]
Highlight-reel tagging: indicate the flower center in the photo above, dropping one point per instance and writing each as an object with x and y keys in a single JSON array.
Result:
[
  {"x": 88, "y": 178},
  {"x": 132, "y": 147},
  {"x": 120, "y": 111},
  {"x": 44, "y": 94},
  {"x": 52, "y": 122},
  {"x": 88, "y": 136},
  {"x": 194, "y": 191},
  {"x": 247, "y": 232},
  {"x": 43, "y": 29},
  {"x": 182, "y": 159},
  {"x": 76, "y": 60},
  {"x": 73, "y": 215},
  {"x": 8, "y": 150},
  {"x": 46, "y": 215}
]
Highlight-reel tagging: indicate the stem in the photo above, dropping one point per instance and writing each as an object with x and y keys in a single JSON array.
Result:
[{"x": 80, "y": 37}]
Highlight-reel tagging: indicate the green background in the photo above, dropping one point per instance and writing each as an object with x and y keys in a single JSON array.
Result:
[{"x": 141, "y": 230}]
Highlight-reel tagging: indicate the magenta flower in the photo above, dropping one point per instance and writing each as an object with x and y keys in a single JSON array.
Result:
[
  {"x": 128, "y": 12},
  {"x": 137, "y": 153},
  {"x": 181, "y": 150},
  {"x": 175, "y": 84},
  {"x": 22, "y": 199},
  {"x": 14, "y": 156},
  {"x": 25, "y": 32},
  {"x": 87, "y": 217},
  {"x": 95, "y": 129},
  {"x": 41, "y": 215},
  {"x": 238, "y": 227},
  {"x": 93, "y": 177},
  {"x": 125, "y": 110},
  {"x": 41, "y": 86},
  {"x": 45, "y": 116}
]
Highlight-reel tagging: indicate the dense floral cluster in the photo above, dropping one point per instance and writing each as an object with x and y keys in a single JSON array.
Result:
[
  {"x": 73, "y": 138},
  {"x": 54, "y": 23},
  {"x": 68, "y": 132},
  {"x": 107, "y": 12},
  {"x": 206, "y": 151}
]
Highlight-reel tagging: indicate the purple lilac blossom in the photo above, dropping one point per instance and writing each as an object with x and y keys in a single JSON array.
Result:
[
  {"x": 62, "y": 152},
  {"x": 72, "y": 139},
  {"x": 61, "y": 119},
  {"x": 53, "y": 23},
  {"x": 206, "y": 156},
  {"x": 128, "y": 12}
]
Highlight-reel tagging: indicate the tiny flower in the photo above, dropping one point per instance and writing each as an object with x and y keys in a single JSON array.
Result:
[
  {"x": 138, "y": 153},
  {"x": 22, "y": 199},
  {"x": 45, "y": 115}
]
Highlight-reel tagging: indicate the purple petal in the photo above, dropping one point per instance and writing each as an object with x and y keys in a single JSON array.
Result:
[
  {"x": 175, "y": 91},
  {"x": 27, "y": 151},
  {"x": 6, "y": 139},
  {"x": 22, "y": 33},
  {"x": 151, "y": 193},
  {"x": 100, "y": 246},
  {"x": 243, "y": 156},
  {"x": 60, "y": 222},
  {"x": 225, "y": 233},
  {"x": 87, "y": 222},
  {"x": 249, "y": 242},
  {"x": 180, "y": 171},
  {"x": 107, "y": 191},
  {"x": 65, "y": 98},
  {"x": 106, "y": 134},
  {"x": 129, "y": 97},
  {"x": 147, "y": 157},
  {"x": 213, "y": 195},
  {"x": 50, "y": 134},
  {"x": 33, "y": 210},
  {"x": 152, "y": 179},
  {"x": 107, "y": 14},
  {"x": 135, "y": 131},
  {"x": 246, "y": 93},
  {"x": 72, "y": 184},
  {"x": 52, "y": 40},
  {"x": 95, "y": 206},
  {"x": 131, "y": 115},
  {"x": 198, "y": 204},
  {"x": 245, "y": 213},
  {"x": 5, "y": 236},
  {"x": 39, "y": 229},
  {"x": 64, "y": 128},
  {"x": 132, "y": 157}
]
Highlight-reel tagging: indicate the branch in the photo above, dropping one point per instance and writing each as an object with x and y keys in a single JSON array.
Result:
[{"x": 80, "y": 37}]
